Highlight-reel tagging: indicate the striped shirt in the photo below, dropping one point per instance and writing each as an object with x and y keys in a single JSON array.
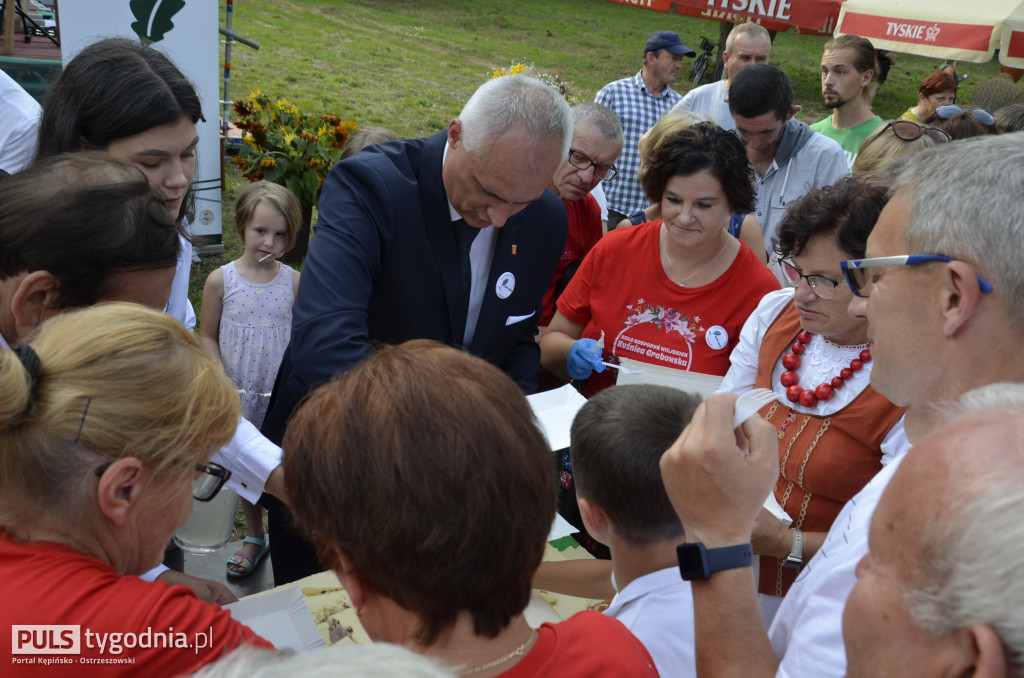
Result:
[{"x": 638, "y": 110}]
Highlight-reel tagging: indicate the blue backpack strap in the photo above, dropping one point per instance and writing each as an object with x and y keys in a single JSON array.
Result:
[{"x": 735, "y": 221}]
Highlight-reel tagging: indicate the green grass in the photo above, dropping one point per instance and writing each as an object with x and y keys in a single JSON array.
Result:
[{"x": 410, "y": 65}]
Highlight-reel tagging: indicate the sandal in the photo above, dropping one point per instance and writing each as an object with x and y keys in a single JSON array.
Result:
[{"x": 242, "y": 560}]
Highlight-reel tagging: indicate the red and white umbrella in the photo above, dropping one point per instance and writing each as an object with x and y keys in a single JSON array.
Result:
[
  {"x": 807, "y": 16},
  {"x": 963, "y": 31}
]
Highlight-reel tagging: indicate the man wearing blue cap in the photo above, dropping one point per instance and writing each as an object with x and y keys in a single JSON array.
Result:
[{"x": 639, "y": 101}]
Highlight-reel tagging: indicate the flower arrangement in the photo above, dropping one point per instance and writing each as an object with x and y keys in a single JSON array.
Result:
[
  {"x": 286, "y": 147},
  {"x": 551, "y": 79}
]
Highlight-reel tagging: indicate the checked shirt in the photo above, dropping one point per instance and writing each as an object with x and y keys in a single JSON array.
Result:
[{"x": 638, "y": 110}]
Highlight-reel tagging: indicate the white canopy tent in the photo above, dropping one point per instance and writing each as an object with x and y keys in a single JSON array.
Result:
[{"x": 965, "y": 31}]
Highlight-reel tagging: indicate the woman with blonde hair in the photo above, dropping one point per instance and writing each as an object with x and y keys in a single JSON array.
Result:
[
  {"x": 108, "y": 419},
  {"x": 897, "y": 139}
]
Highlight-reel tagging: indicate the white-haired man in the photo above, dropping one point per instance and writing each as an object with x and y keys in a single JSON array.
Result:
[
  {"x": 596, "y": 144},
  {"x": 453, "y": 238},
  {"x": 748, "y": 43},
  {"x": 939, "y": 593},
  {"x": 943, "y": 293}
]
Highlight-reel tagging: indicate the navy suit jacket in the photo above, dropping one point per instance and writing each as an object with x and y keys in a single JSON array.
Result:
[{"x": 383, "y": 267}]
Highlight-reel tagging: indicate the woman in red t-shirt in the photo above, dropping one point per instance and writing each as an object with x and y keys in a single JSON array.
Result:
[
  {"x": 673, "y": 292},
  {"x": 108, "y": 419}
]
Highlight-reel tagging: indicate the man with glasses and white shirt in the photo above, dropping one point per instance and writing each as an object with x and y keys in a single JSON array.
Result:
[
  {"x": 943, "y": 293},
  {"x": 453, "y": 238}
]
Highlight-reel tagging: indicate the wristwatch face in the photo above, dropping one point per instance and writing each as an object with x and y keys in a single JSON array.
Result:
[{"x": 693, "y": 561}]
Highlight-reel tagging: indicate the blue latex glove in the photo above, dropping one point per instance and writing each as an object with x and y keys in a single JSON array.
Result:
[{"x": 584, "y": 358}]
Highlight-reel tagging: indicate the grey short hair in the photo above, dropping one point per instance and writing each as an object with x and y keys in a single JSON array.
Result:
[
  {"x": 515, "y": 100},
  {"x": 965, "y": 203},
  {"x": 970, "y": 569},
  {"x": 372, "y": 660},
  {"x": 601, "y": 118},
  {"x": 747, "y": 28}
]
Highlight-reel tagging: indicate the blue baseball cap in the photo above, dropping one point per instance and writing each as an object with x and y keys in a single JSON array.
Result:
[{"x": 667, "y": 40}]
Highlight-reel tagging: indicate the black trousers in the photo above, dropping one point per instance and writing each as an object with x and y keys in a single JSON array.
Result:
[
  {"x": 291, "y": 554},
  {"x": 614, "y": 218}
]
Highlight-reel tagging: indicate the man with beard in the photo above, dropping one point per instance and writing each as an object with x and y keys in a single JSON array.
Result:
[{"x": 847, "y": 70}]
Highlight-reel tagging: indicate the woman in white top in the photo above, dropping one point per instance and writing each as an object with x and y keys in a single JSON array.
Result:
[{"x": 835, "y": 432}]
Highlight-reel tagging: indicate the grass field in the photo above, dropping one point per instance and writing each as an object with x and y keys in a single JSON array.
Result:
[{"x": 410, "y": 64}]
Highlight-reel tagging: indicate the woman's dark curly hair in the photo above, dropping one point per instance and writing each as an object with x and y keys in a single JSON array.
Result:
[
  {"x": 846, "y": 210},
  {"x": 703, "y": 146}
]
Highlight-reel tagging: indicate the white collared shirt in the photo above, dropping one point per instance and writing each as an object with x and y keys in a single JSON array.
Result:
[{"x": 481, "y": 253}]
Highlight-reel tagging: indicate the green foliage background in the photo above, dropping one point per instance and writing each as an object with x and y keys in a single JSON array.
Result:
[{"x": 410, "y": 64}]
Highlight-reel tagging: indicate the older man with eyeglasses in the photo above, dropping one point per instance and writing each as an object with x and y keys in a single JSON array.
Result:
[
  {"x": 942, "y": 290},
  {"x": 596, "y": 144}
]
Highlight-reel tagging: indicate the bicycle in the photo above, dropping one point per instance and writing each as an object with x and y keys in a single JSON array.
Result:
[{"x": 704, "y": 60}]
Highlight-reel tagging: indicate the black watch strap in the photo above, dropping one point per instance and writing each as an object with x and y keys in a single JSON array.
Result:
[{"x": 699, "y": 562}]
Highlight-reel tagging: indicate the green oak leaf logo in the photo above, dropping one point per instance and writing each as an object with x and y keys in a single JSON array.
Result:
[{"x": 153, "y": 18}]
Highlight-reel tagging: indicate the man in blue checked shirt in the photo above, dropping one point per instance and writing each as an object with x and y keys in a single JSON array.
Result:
[{"x": 639, "y": 101}]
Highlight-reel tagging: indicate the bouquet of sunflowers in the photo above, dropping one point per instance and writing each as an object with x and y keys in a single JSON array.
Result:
[{"x": 286, "y": 147}]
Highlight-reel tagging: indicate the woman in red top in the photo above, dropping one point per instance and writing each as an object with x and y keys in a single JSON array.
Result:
[
  {"x": 673, "y": 292},
  {"x": 429, "y": 490},
  {"x": 107, "y": 423}
]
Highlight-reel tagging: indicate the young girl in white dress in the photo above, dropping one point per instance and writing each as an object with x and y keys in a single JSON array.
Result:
[{"x": 247, "y": 318}]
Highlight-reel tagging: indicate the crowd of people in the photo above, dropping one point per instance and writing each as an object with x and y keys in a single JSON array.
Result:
[{"x": 864, "y": 273}]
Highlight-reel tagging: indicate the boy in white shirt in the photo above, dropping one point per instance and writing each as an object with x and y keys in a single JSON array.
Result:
[{"x": 618, "y": 438}]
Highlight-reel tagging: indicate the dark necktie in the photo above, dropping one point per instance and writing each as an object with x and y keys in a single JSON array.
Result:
[{"x": 464, "y": 236}]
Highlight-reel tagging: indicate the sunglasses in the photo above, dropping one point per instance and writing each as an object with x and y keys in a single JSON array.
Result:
[
  {"x": 908, "y": 130},
  {"x": 980, "y": 114}
]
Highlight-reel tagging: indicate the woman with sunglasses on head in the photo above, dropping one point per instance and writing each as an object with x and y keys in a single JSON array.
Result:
[
  {"x": 835, "y": 432},
  {"x": 674, "y": 292},
  {"x": 963, "y": 123},
  {"x": 896, "y": 139},
  {"x": 108, "y": 418}
]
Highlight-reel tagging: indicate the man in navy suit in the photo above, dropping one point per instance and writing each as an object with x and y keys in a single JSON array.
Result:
[{"x": 388, "y": 260}]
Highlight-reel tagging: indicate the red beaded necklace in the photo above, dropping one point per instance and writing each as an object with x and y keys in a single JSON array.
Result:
[{"x": 791, "y": 380}]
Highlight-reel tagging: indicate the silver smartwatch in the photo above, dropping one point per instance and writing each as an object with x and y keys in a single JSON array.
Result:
[{"x": 795, "y": 559}]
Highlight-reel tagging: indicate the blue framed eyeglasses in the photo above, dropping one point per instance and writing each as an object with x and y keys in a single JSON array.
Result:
[{"x": 855, "y": 270}]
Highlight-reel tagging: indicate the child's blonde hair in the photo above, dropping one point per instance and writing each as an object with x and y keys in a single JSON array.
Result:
[{"x": 278, "y": 197}]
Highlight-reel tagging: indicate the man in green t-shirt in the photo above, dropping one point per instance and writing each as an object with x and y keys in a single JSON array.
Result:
[{"x": 847, "y": 69}]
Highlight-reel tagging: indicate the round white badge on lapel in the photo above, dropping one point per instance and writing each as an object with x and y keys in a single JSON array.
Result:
[
  {"x": 506, "y": 283},
  {"x": 716, "y": 337}
]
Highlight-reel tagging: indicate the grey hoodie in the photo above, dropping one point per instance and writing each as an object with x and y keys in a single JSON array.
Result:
[{"x": 803, "y": 160}]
